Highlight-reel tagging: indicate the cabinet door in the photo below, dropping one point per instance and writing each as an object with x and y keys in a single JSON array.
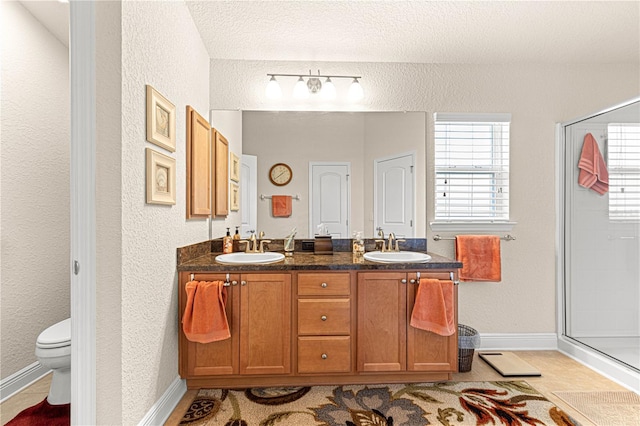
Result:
[
  {"x": 265, "y": 324},
  {"x": 221, "y": 175},
  {"x": 198, "y": 165},
  {"x": 382, "y": 323},
  {"x": 216, "y": 358},
  {"x": 427, "y": 351}
]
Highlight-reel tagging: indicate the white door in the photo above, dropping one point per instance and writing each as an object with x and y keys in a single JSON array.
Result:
[
  {"x": 249, "y": 194},
  {"x": 329, "y": 198},
  {"x": 393, "y": 195}
]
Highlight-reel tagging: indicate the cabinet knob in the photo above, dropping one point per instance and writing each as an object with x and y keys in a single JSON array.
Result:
[
  {"x": 412, "y": 281},
  {"x": 324, "y": 356},
  {"x": 323, "y": 318},
  {"x": 234, "y": 282},
  {"x": 323, "y": 285},
  {"x": 403, "y": 281},
  {"x": 243, "y": 282}
]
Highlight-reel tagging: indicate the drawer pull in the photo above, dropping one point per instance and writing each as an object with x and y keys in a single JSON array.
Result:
[
  {"x": 323, "y": 318},
  {"x": 323, "y": 285},
  {"x": 324, "y": 356}
]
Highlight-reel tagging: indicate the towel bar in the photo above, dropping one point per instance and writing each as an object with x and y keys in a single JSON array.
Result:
[
  {"x": 293, "y": 197},
  {"x": 227, "y": 283},
  {"x": 437, "y": 237}
]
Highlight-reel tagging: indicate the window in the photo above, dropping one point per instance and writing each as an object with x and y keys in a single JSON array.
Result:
[
  {"x": 472, "y": 168},
  {"x": 623, "y": 151}
]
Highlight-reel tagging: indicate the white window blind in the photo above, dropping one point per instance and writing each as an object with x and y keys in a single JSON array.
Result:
[
  {"x": 472, "y": 167},
  {"x": 623, "y": 152}
]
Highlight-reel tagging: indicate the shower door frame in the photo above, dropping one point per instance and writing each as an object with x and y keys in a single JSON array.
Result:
[{"x": 614, "y": 370}]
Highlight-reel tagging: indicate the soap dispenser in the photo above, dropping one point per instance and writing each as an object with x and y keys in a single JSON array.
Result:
[
  {"x": 236, "y": 236},
  {"x": 227, "y": 243}
]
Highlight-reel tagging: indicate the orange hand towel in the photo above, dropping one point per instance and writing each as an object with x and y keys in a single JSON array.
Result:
[
  {"x": 205, "y": 316},
  {"x": 480, "y": 257},
  {"x": 281, "y": 205},
  {"x": 593, "y": 169},
  {"x": 433, "y": 309}
]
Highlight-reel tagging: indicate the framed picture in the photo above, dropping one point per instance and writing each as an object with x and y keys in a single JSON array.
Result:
[
  {"x": 235, "y": 196},
  {"x": 161, "y": 178},
  {"x": 234, "y": 167},
  {"x": 161, "y": 120}
]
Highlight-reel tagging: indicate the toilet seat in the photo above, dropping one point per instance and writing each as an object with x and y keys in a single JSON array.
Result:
[{"x": 56, "y": 336}]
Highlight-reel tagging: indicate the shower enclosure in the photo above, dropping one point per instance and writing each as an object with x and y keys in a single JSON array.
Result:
[{"x": 599, "y": 241}]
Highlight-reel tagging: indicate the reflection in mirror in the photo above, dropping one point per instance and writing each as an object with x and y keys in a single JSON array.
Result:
[{"x": 365, "y": 141}]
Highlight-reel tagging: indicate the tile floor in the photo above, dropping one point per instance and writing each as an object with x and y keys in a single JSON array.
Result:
[{"x": 559, "y": 373}]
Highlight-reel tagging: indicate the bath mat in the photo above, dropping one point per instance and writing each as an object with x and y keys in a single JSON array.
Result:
[
  {"x": 43, "y": 414},
  {"x": 509, "y": 364},
  {"x": 442, "y": 403},
  {"x": 605, "y": 408}
]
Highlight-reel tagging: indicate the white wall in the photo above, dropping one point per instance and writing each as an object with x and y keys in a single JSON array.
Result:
[
  {"x": 537, "y": 96},
  {"x": 141, "y": 43},
  {"x": 35, "y": 184}
]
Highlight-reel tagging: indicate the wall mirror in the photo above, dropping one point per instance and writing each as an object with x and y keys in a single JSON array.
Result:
[{"x": 368, "y": 142}]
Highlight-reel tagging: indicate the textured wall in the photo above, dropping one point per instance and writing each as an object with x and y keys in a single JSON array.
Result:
[
  {"x": 35, "y": 184},
  {"x": 160, "y": 47},
  {"x": 537, "y": 96}
]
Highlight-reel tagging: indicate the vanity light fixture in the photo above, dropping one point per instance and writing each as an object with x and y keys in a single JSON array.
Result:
[{"x": 314, "y": 85}]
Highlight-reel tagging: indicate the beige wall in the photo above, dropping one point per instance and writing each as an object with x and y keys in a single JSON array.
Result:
[
  {"x": 137, "y": 324},
  {"x": 35, "y": 185},
  {"x": 537, "y": 96}
]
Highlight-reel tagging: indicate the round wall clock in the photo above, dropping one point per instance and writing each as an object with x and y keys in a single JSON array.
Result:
[{"x": 280, "y": 174}]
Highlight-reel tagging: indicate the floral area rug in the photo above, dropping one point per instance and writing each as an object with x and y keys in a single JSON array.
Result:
[{"x": 444, "y": 403}]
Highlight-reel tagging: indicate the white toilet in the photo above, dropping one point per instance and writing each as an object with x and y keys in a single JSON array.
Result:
[{"x": 53, "y": 349}]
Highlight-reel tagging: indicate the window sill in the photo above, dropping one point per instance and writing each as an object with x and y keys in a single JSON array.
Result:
[{"x": 466, "y": 227}]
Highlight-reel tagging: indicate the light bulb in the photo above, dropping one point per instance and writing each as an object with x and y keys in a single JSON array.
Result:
[
  {"x": 328, "y": 90},
  {"x": 273, "y": 90},
  {"x": 355, "y": 91},
  {"x": 300, "y": 90}
]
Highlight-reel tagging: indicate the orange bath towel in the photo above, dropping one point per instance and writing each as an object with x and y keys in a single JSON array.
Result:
[
  {"x": 593, "y": 169},
  {"x": 205, "y": 316},
  {"x": 480, "y": 257},
  {"x": 281, "y": 205},
  {"x": 433, "y": 309}
]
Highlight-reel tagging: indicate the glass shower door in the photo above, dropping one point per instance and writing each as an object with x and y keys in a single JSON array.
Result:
[{"x": 602, "y": 236}]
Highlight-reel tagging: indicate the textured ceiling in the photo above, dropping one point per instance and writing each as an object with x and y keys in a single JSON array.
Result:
[
  {"x": 421, "y": 31},
  {"x": 407, "y": 31}
]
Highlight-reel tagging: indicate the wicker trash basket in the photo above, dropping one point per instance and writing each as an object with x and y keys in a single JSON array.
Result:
[{"x": 468, "y": 341}]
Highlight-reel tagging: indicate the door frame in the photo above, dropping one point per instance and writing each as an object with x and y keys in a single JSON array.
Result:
[
  {"x": 82, "y": 52},
  {"x": 376, "y": 161}
]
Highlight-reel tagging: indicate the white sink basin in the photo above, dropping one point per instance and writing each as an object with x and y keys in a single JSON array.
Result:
[
  {"x": 249, "y": 258},
  {"x": 396, "y": 257}
]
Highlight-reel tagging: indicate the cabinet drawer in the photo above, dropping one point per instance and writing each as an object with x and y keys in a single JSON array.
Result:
[
  {"x": 324, "y": 284},
  {"x": 330, "y": 354},
  {"x": 324, "y": 316}
]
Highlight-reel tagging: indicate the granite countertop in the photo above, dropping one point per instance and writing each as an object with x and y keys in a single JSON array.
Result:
[{"x": 201, "y": 257}]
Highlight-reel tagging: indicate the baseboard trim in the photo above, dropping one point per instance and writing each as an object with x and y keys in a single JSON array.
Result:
[
  {"x": 162, "y": 409},
  {"x": 601, "y": 364},
  {"x": 14, "y": 383},
  {"x": 519, "y": 341}
]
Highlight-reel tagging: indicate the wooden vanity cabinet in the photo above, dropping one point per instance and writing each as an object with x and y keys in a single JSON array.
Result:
[
  {"x": 324, "y": 323},
  {"x": 386, "y": 341},
  {"x": 259, "y": 315}
]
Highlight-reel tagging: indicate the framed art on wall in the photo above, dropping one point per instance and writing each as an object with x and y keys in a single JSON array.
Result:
[
  {"x": 161, "y": 120},
  {"x": 234, "y": 168},
  {"x": 235, "y": 196},
  {"x": 161, "y": 178}
]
